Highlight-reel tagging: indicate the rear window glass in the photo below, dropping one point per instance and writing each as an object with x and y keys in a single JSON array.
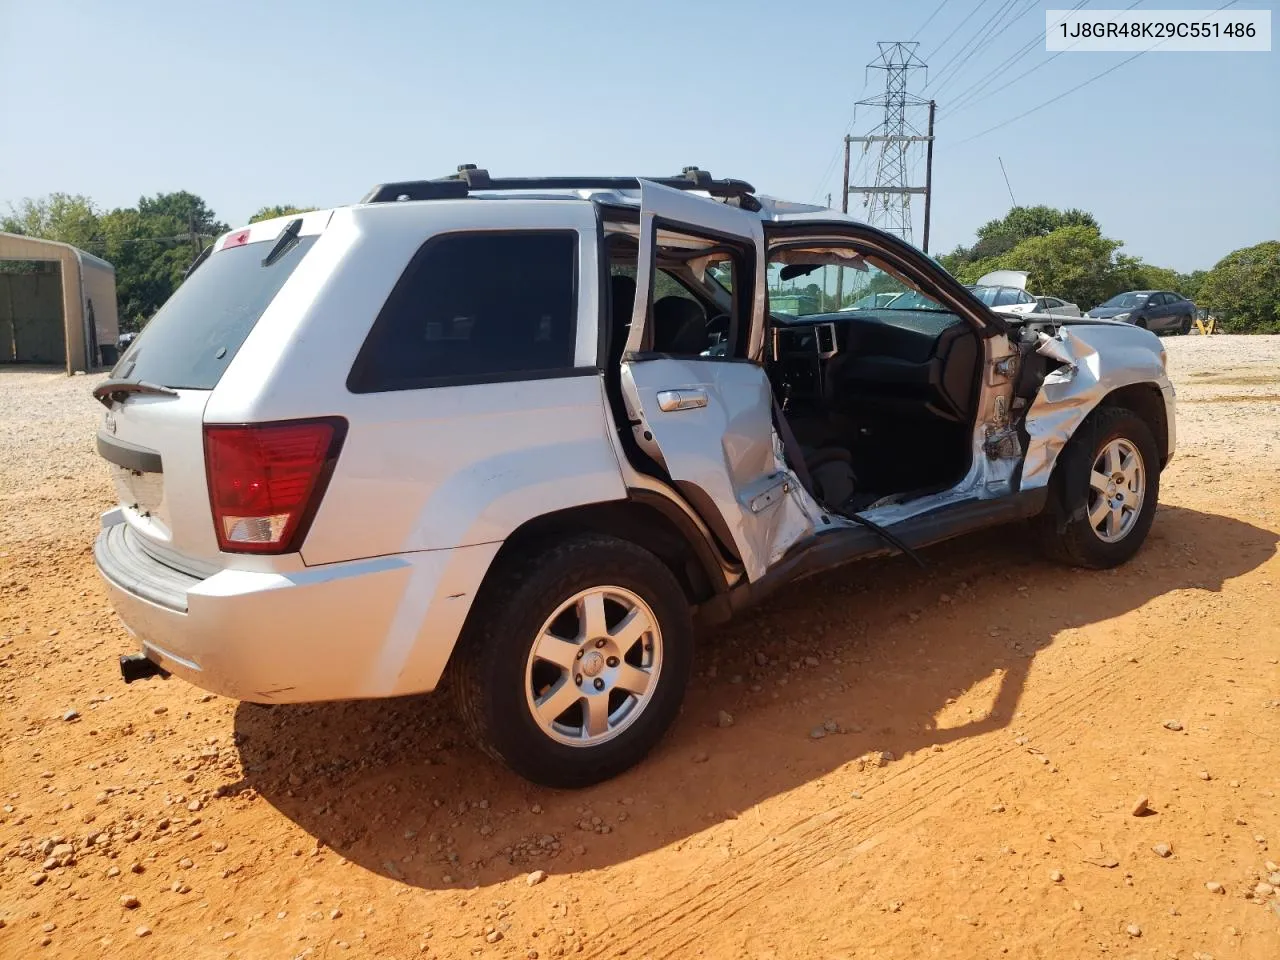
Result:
[
  {"x": 472, "y": 307},
  {"x": 196, "y": 334}
]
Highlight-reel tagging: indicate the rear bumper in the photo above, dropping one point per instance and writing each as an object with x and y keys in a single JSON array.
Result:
[{"x": 370, "y": 628}]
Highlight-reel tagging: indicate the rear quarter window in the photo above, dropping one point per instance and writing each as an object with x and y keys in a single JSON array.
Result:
[
  {"x": 475, "y": 308},
  {"x": 194, "y": 337}
]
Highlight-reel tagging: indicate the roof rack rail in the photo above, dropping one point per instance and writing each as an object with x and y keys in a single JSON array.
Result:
[{"x": 470, "y": 177}]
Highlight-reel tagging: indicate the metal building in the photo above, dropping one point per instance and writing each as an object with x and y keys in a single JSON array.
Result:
[{"x": 57, "y": 305}]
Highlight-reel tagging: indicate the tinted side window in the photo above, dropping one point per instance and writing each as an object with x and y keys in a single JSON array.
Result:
[
  {"x": 1006, "y": 297},
  {"x": 472, "y": 307}
]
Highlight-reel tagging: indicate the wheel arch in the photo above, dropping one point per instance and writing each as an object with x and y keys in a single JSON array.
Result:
[
  {"x": 1147, "y": 401},
  {"x": 644, "y": 518}
]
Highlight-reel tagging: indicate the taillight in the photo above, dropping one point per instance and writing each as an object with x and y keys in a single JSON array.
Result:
[{"x": 266, "y": 480}]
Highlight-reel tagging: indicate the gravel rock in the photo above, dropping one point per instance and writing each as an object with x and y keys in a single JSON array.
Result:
[
  {"x": 700, "y": 757},
  {"x": 817, "y": 733},
  {"x": 1263, "y": 890},
  {"x": 1204, "y": 775},
  {"x": 129, "y": 902},
  {"x": 1172, "y": 725},
  {"x": 1133, "y": 930},
  {"x": 724, "y": 719},
  {"x": 72, "y": 714},
  {"x": 536, "y": 877},
  {"x": 1055, "y": 876},
  {"x": 493, "y": 936},
  {"x": 142, "y": 932},
  {"x": 1162, "y": 850},
  {"x": 1141, "y": 806},
  {"x": 1213, "y": 886}
]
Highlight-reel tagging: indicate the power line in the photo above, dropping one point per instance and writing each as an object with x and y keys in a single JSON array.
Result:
[
  {"x": 1078, "y": 86},
  {"x": 1021, "y": 78},
  {"x": 956, "y": 32},
  {"x": 988, "y": 32},
  {"x": 972, "y": 92},
  {"x": 928, "y": 20}
]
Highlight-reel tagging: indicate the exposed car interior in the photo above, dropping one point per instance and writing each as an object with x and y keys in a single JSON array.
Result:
[{"x": 877, "y": 386}]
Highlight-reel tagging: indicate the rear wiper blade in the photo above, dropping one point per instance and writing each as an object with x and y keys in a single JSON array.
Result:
[
  {"x": 284, "y": 243},
  {"x": 110, "y": 391}
]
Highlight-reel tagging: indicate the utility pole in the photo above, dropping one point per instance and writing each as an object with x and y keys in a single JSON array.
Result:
[
  {"x": 928, "y": 175},
  {"x": 889, "y": 205}
]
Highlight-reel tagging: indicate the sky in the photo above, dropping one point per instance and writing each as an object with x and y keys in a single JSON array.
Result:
[{"x": 251, "y": 104}]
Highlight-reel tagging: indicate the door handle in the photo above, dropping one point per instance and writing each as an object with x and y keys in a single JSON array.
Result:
[{"x": 669, "y": 401}]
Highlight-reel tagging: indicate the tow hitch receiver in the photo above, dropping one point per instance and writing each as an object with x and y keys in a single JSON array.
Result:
[{"x": 136, "y": 666}]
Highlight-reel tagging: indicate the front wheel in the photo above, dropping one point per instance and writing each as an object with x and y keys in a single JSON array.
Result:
[
  {"x": 1103, "y": 497},
  {"x": 1186, "y": 325},
  {"x": 576, "y": 661}
]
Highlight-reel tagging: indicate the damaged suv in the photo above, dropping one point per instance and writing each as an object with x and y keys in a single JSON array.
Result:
[{"x": 524, "y": 434}]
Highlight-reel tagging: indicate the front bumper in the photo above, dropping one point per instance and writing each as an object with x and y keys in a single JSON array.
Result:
[{"x": 367, "y": 628}]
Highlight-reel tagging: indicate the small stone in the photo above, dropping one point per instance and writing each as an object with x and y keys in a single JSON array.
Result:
[
  {"x": 997, "y": 808},
  {"x": 493, "y": 936},
  {"x": 1141, "y": 806},
  {"x": 1272, "y": 866},
  {"x": 186, "y": 863},
  {"x": 535, "y": 878},
  {"x": 1133, "y": 930},
  {"x": 113, "y": 871},
  {"x": 129, "y": 902},
  {"x": 1259, "y": 838},
  {"x": 1172, "y": 725},
  {"x": 218, "y": 846},
  {"x": 856, "y": 794},
  {"x": 817, "y": 733},
  {"x": 158, "y": 711},
  {"x": 1263, "y": 890},
  {"x": 724, "y": 719},
  {"x": 1048, "y": 838},
  {"x": 142, "y": 932},
  {"x": 1214, "y": 887},
  {"x": 49, "y": 927},
  {"x": 700, "y": 757},
  {"x": 1204, "y": 775},
  {"x": 136, "y": 868},
  {"x": 180, "y": 886},
  {"x": 38, "y": 878},
  {"x": 1162, "y": 850},
  {"x": 194, "y": 806},
  {"x": 72, "y": 714},
  {"x": 895, "y": 906},
  {"x": 1055, "y": 876},
  {"x": 536, "y": 808},
  {"x": 335, "y": 913}
]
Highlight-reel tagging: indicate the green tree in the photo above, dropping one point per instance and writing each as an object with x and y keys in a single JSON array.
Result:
[
  {"x": 1074, "y": 262},
  {"x": 998, "y": 237},
  {"x": 65, "y": 217},
  {"x": 270, "y": 213},
  {"x": 1243, "y": 289}
]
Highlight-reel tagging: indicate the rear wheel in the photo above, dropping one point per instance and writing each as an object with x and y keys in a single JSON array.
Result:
[
  {"x": 577, "y": 661},
  {"x": 1186, "y": 325},
  {"x": 1103, "y": 497}
]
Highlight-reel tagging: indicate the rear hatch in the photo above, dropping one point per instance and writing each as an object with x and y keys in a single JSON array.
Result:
[{"x": 152, "y": 432}]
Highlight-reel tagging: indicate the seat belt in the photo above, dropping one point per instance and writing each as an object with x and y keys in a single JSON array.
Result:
[{"x": 791, "y": 447}]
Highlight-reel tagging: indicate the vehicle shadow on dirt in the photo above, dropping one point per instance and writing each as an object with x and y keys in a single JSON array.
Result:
[{"x": 896, "y": 658}]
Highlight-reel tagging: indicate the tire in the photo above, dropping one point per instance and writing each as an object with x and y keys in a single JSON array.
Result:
[
  {"x": 1068, "y": 533},
  {"x": 499, "y": 683},
  {"x": 1140, "y": 323},
  {"x": 1185, "y": 328}
]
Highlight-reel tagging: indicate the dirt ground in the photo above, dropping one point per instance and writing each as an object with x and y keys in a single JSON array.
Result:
[{"x": 989, "y": 725}]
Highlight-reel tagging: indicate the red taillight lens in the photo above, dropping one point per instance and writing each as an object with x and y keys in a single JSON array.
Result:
[{"x": 265, "y": 480}]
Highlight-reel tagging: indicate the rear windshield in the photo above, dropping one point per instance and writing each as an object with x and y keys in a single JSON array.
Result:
[{"x": 196, "y": 334}]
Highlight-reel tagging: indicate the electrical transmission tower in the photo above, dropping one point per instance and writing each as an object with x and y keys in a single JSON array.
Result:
[{"x": 889, "y": 198}]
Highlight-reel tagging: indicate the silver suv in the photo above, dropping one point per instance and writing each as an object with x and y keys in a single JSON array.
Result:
[{"x": 524, "y": 434}]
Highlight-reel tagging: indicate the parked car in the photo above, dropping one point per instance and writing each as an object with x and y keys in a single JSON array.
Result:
[
  {"x": 363, "y": 449},
  {"x": 1160, "y": 311},
  {"x": 1005, "y": 291}
]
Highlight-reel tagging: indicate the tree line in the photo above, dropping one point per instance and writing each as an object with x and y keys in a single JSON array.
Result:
[
  {"x": 1067, "y": 256},
  {"x": 152, "y": 244}
]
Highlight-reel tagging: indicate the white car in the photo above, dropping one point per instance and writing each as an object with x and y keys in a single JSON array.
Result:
[
  {"x": 523, "y": 433},
  {"x": 1006, "y": 292}
]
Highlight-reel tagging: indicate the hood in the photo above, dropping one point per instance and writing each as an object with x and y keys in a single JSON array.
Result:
[
  {"x": 1004, "y": 278},
  {"x": 1110, "y": 311}
]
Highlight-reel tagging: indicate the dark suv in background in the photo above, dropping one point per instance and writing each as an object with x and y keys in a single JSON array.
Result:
[{"x": 1160, "y": 311}]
